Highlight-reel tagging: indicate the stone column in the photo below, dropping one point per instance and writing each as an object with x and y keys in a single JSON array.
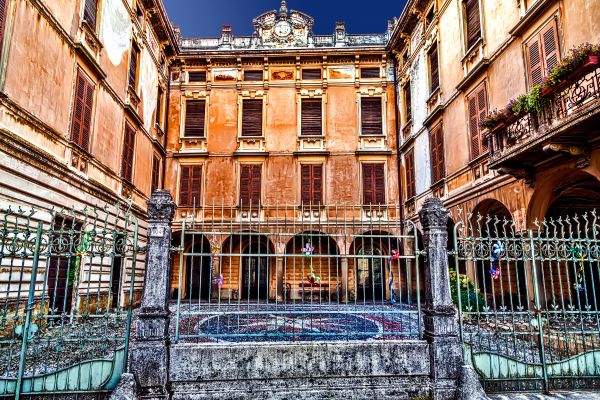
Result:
[
  {"x": 344, "y": 288},
  {"x": 441, "y": 328},
  {"x": 149, "y": 358},
  {"x": 279, "y": 275}
]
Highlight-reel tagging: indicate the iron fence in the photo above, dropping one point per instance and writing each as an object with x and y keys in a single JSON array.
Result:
[
  {"x": 66, "y": 293},
  {"x": 528, "y": 301},
  {"x": 296, "y": 273}
]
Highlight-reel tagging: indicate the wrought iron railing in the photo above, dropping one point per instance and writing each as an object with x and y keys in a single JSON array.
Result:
[
  {"x": 517, "y": 136},
  {"x": 289, "y": 273},
  {"x": 66, "y": 292},
  {"x": 529, "y": 301}
]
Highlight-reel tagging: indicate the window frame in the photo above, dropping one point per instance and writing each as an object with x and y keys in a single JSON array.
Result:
[
  {"x": 321, "y": 200},
  {"x": 375, "y": 193},
  {"x": 437, "y": 150},
  {"x": 184, "y": 125},
  {"x": 135, "y": 49},
  {"x": 92, "y": 24},
  {"x": 475, "y": 95},
  {"x": 155, "y": 182},
  {"x": 127, "y": 167},
  {"x": 383, "y": 105},
  {"x": 241, "y": 120},
  {"x": 430, "y": 56},
  {"x": 89, "y": 84},
  {"x": 470, "y": 44},
  {"x": 190, "y": 198},
  {"x": 249, "y": 182},
  {"x": 409, "y": 174},
  {"x": 539, "y": 37},
  {"x": 302, "y": 99}
]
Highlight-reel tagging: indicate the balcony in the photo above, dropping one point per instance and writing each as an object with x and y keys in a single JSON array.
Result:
[{"x": 565, "y": 126}]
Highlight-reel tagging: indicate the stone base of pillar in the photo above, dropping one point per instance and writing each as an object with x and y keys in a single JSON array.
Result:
[{"x": 149, "y": 363}]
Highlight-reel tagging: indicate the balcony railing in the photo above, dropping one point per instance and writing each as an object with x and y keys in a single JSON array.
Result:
[{"x": 565, "y": 124}]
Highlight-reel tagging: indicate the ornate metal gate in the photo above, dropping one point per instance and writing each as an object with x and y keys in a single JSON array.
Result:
[
  {"x": 529, "y": 301},
  {"x": 66, "y": 293}
]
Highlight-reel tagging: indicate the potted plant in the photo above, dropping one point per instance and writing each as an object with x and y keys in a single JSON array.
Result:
[{"x": 580, "y": 61}]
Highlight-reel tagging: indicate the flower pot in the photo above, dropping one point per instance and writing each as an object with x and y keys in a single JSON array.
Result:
[{"x": 590, "y": 64}]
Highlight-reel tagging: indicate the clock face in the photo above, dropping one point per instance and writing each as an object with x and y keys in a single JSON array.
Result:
[{"x": 283, "y": 28}]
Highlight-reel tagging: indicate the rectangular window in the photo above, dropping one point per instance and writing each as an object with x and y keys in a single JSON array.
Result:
[
  {"x": 371, "y": 116},
  {"x": 434, "y": 72},
  {"x": 90, "y": 12},
  {"x": 477, "y": 104},
  {"x": 195, "y": 111},
  {"x": 411, "y": 187},
  {"x": 311, "y": 117},
  {"x": 253, "y": 76},
  {"x": 407, "y": 102},
  {"x": 436, "y": 148},
  {"x": 373, "y": 180},
  {"x": 133, "y": 66},
  {"x": 369, "y": 73},
  {"x": 311, "y": 74},
  {"x": 190, "y": 185},
  {"x": 159, "y": 110},
  {"x": 311, "y": 184},
  {"x": 252, "y": 111},
  {"x": 197, "y": 76},
  {"x": 128, "y": 153},
  {"x": 250, "y": 180},
  {"x": 542, "y": 53},
  {"x": 473, "y": 22},
  {"x": 81, "y": 125},
  {"x": 155, "y": 172},
  {"x": 3, "y": 16}
]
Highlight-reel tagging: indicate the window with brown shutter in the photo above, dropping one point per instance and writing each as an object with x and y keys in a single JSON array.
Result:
[
  {"x": 369, "y": 73},
  {"x": 190, "y": 185},
  {"x": 434, "y": 72},
  {"x": 311, "y": 184},
  {"x": 473, "y": 22},
  {"x": 90, "y": 12},
  {"x": 252, "y": 110},
  {"x": 81, "y": 125},
  {"x": 250, "y": 180},
  {"x": 477, "y": 107},
  {"x": 407, "y": 102},
  {"x": 197, "y": 76},
  {"x": 436, "y": 148},
  {"x": 542, "y": 53},
  {"x": 311, "y": 117},
  {"x": 373, "y": 182},
  {"x": 155, "y": 172},
  {"x": 253, "y": 76},
  {"x": 128, "y": 153},
  {"x": 311, "y": 74},
  {"x": 195, "y": 111},
  {"x": 371, "y": 116},
  {"x": 411, "y": 187},
  {"x": 133, "y": 65},
  {"x": 158, "y": 113},
  {"x": 3, "y": 16}
]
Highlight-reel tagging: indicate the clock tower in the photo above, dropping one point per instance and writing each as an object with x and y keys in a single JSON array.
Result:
[{"x": 283, "y": 29}]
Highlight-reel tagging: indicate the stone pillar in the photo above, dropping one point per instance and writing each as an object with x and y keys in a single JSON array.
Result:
[
  {"x": 441, "y": 328},
  {"x": 279, "y": 275},
  {"x": 344, "y": 287},
  {"x": 149, "y": 358}
]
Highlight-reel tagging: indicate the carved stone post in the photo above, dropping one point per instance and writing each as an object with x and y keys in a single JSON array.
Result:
[
  {"x": 441, "y": 328},
  {"x": 149, "y": 357}
]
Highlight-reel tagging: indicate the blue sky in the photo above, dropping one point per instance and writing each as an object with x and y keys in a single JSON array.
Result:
[{"x": 204, "y": 18}]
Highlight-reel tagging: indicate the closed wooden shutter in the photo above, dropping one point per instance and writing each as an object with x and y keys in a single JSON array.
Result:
[
  {"x": 411, "y": 189},
  {"x": 371, "y": 116},
  {"x": 252, "y": 117},
  {"x": 311, "y": 74},
  {"x": 250, "y": 183},
  {"x": 195, "y": 111},
  {"x": 3, "y": 16},
  {"x": 434, "y": 72},
  {"x": 128, "y": 152},
  {"x": 253, "y": 76},
  {"x": 155, "y": 172},
  {"x": 90, "y": 12},
  {"x": 190, "y": 185},
  {"x": 550, "y": 46},
  {"x": 373, "y": 176},
  {"x": 158, "y": 113},
  {"x": 477, "y": 104},
  {"x": 133, "y": 66},
  {"x": 197, "y": 76},
  {"x": 311, "y": 184},
  {"x": 436, "y": 147},
  {"x": 534, "y": 61},
  {"x": 473, "y": 22},
  {"x": 81, "y": 124},
  {"x": 312, "y": 117},
  {"x": 369, "y": 73}
]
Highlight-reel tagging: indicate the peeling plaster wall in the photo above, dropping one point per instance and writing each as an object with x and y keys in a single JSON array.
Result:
[
  {"x": 420, "y": 92},
  {"x": 148, "y": 88},
  {"x": 115, "y": 30}
]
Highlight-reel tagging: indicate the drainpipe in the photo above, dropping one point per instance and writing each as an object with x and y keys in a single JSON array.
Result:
[
  {"x": 398, "y": 135},
  {"x": 166, "y": 116}
]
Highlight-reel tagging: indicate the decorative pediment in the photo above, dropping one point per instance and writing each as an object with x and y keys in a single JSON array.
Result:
[{"x": 283, "y": 29}]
